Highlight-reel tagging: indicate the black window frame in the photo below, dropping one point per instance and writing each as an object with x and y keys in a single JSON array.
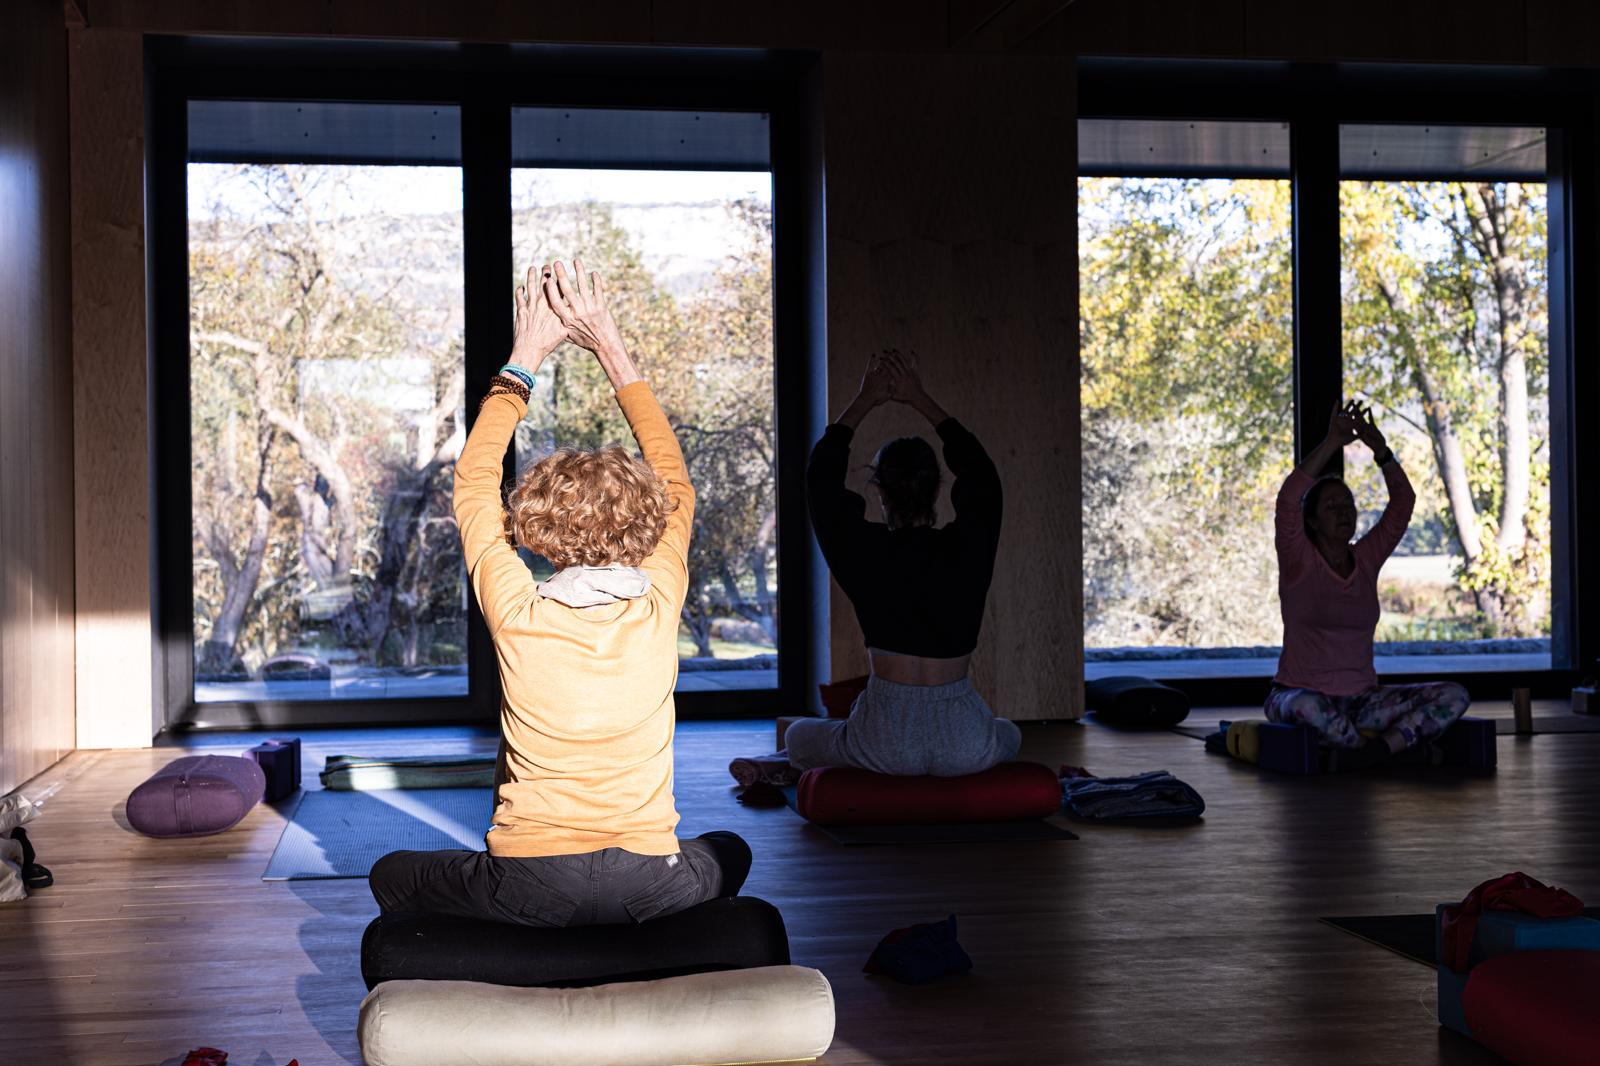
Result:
[
  {"x": 1316, "y": 99},
  {"x": 486, "y": 81}
]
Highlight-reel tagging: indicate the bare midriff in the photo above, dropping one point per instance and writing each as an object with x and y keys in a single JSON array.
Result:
[{"x": 917, "y": 669}]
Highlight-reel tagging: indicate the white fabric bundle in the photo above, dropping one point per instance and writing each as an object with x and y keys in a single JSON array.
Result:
[
  {"x": 767, "y": 1014},
  {"x": 14, "y": 810},
  {"x": 11, "y": 886}
]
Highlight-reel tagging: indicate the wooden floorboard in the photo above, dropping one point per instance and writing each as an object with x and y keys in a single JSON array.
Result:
[{"x": 1178, "y": 945}]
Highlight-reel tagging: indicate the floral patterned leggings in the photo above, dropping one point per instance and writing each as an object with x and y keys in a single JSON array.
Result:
[{"x": 1415, "y": 712}]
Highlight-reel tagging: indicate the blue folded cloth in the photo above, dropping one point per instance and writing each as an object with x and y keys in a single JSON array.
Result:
[
  {"x": 919, "y": 953},
  {"x": 1156, "y": 794}
]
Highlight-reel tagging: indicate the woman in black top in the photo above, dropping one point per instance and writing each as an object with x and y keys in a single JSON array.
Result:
[{"x": 918, "y": 591}]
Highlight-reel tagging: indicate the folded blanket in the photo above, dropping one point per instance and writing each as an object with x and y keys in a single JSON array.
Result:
[
  {"x": 1156, "y": 794},
  {"x": 358, "y": 773}
]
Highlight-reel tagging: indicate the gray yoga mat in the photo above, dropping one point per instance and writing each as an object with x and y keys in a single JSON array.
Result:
[{"x": 341, "y": 834}]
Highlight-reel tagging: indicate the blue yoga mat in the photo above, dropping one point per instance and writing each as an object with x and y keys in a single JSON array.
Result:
[{"x": 341, "y": 834}]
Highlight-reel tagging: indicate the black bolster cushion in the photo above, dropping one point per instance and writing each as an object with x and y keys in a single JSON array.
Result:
[
  {"x": 729, "y": 933},
  {"x": 1136, "y": 703}
]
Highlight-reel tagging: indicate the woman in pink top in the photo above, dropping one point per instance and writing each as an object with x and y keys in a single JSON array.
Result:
[{"x": 1329, "y": 591}]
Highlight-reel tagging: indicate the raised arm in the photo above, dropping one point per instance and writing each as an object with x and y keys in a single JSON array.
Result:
[
  {"x": 582, "y": 308},
  {"x": 1385, "y": 535},
  {"x": 1291, "y": 541},
  {"x": 836, "y": 512},
  {"x": 668, "y": 564},
  {"x": 499, "y": 579}
]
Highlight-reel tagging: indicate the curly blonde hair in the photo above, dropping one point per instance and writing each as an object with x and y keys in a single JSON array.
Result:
[{"x": 588, "y": 508}]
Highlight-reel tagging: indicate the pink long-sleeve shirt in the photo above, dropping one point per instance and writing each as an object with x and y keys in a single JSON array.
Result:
[{"x": 1328, "y": 620}]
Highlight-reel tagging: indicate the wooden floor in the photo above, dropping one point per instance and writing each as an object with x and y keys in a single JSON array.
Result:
[{"x": 1189, "y": 945}]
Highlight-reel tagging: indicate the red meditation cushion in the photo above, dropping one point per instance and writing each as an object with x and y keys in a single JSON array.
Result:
[
  {"x": 839, "y": 696},
  {"x": 1536, "y": 1006},
  {"x": 844, "y": 795}
]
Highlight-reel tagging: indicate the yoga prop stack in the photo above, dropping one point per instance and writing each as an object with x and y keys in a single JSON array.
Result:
[
  {"x": 1295, "y": 749},
  {"x": 710, "y": 984},
  {"x": 1525, "y": 986}
]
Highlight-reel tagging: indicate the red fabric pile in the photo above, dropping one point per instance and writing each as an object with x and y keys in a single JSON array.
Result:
[
  {"x": 1508, "y": 892},
  {"x": 210, "y": 1056}
]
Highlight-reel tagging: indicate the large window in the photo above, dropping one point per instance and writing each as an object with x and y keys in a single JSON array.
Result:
[
  {"x": 1446, "y": 296},
  {"x": 326, "y": 411},
  {"x": 331, "y": 282},
  {"x": 1186, "y": 339},
  {"x": 1214, "y": 259},
  {"x": 687, "y": 257}
]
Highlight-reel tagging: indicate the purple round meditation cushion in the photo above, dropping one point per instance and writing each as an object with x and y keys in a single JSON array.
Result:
[{"x": 196, "y": 795}]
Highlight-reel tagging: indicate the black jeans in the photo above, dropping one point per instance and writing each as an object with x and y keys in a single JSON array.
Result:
[{"x": 598, "y": 888}]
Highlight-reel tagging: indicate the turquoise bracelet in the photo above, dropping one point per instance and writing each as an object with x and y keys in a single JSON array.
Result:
[{"x": 520, "y": 373}]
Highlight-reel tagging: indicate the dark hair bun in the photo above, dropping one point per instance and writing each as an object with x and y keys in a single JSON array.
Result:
[{"x": 908, "y": 473}]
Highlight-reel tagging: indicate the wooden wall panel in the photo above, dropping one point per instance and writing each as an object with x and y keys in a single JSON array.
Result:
[
  {"x": 36, "y": 594},
  {"x": 111, "y": 468},
  {"x": 1420, "y": 31},
  {"x": 610, "y": 21},
  {"x": 889, "y": 25},
  {"x": 1450, "y": 31},
  {"x": 951, "y": 229},
  {"x": 1563, "y": 32},
  {"x": 967, "y": 19},
  {"x": 881, "y": 24},
  {"x": 1153, "y": 27}
]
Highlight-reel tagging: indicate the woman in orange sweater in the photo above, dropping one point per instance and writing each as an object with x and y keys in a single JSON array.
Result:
[{"x": 584, "y": 820}]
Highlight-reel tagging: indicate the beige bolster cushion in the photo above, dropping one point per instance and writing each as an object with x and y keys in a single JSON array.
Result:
[{"x": 766, "y": 1014}]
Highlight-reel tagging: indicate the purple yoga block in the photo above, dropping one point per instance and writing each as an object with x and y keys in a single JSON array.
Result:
[
  {"x": 279, "y": 759},
  {"x": 196, "y": 795},
  {"x": 1470, "y": 742},
  {"x": 1289, "y": 749}
]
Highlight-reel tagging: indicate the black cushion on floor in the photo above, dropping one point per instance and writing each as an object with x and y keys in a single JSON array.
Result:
[
  {"x": 1136, "y": 703},
  {"x": 730, "y": 933}
]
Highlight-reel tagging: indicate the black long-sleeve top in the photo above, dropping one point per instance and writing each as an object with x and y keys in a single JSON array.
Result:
[{"x": 918, "y": 590}]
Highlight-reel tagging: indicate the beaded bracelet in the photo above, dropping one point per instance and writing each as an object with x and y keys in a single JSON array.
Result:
[
  {"x": 522, "y": 374},
  {"x": 506, "y": 381},
  {"x": 505, "y": 385},
  {"x": 492, "y": 393}
]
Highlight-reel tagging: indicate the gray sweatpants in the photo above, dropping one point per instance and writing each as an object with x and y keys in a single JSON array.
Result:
[{"x": 905, "y": 730}]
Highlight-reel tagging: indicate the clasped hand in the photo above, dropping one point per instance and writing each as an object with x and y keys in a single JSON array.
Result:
[
  {"x": 1352, "y": 422},
  {"x": 553, "y": 308},
  {"x": 891, "y": 375}
]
